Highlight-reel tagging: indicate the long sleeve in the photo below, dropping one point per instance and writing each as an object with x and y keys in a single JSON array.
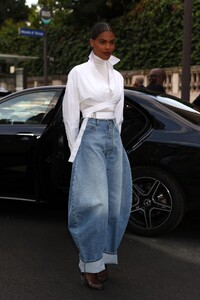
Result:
[
  {"x": 71, "y": 110},
  {"x": 119, "y": 109}
]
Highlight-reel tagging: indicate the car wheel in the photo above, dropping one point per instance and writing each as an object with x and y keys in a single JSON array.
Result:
[{"x": 158, "y": 202}]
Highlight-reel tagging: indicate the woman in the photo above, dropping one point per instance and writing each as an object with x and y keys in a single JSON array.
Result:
[{"x": 100, "y": 190}]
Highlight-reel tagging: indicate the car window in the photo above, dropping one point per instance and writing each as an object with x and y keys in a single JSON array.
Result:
[
  {"x": 30, "y": 108},
  {"x": 182, "y": 108},
  {"x": 135, "y": 123}
]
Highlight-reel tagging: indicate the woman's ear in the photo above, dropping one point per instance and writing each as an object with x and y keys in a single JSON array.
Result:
[{"x": 91, "y": 43}]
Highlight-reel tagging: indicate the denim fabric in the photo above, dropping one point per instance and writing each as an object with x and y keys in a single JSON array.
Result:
[{"x": 100, "y": 195}]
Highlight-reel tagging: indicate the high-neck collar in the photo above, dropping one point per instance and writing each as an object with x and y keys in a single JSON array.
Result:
[{"x": 96, "y": 59}]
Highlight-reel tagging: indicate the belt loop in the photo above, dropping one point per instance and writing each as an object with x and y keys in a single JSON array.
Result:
[{"x": 93, "y": 115}]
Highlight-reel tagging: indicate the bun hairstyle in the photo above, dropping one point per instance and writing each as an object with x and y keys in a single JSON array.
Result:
[{"x": 100, "y": 27}]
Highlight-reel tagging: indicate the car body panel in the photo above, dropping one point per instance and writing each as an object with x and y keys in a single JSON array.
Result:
[
  {"x": 20, "y": 151},
  {"x": 17, "y": 158}
]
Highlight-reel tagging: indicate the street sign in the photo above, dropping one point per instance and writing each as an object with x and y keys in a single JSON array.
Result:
[
  {"x": 31, "y": 32},
  {"x": 45, "y": 15}
]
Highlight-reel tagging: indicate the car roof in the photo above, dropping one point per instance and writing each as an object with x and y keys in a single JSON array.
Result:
[
  {"x": 137, "y": 93},
  {"x": 24, "y": 91}
]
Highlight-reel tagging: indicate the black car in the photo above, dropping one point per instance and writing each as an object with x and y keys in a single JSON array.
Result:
[{"x": 161, "y": 135}]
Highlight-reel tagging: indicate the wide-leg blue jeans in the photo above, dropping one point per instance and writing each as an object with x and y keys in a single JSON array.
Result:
[{"x": 100, "y": 195}]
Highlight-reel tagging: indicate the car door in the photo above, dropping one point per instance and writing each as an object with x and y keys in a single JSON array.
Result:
[{"x": 24, "y": 118}]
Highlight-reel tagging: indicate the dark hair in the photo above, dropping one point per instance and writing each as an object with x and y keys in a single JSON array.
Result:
[{"x": 98, "y": 28}]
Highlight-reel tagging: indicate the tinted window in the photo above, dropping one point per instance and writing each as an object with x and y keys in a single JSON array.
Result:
[
  {"x": 27, "y": 109},
  {"x": 184, "y": 109},
  {"x": 135, "y": 123}
]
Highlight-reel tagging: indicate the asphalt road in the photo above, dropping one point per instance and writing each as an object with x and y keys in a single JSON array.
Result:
[{"x": 38, "y": 261}]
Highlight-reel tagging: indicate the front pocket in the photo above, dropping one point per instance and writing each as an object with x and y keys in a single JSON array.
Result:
[{"x": 90, "y": 128}]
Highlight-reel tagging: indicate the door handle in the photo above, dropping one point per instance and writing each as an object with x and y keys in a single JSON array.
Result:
[{"x": 25, "y": 133}]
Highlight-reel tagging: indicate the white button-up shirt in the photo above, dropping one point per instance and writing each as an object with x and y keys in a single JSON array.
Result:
[{"x": 92, "y": 87}]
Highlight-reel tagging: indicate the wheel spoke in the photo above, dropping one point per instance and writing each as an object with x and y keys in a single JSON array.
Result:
[
  {"x": 161, "y": 207},
  {"x": 153, "y": 189},
  {"x": 147, "y": 217}
]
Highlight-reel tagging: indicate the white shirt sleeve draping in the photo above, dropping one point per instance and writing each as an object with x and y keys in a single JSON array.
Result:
[
  {"x": 71, "y": 110},
  {"x": 119, "y": 109},
  {"x": 88, "y": 91}
]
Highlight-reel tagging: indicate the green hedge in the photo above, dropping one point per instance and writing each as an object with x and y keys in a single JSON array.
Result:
[{"x": 151, "y": 35}]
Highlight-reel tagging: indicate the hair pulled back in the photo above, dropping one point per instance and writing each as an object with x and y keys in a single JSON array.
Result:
[{"x": 100, "y": 27}]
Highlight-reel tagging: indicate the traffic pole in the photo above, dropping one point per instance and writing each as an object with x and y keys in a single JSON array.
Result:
[
  {"x": 186, "y": 58},
  {"x": 46, "y": 16},
  {"x": 45, "y": 57}
]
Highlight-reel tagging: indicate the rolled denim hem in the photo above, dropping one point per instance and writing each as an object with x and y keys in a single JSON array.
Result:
[
  {"x": 92, "y": 267},
  {"x": 110, "y": 258}
]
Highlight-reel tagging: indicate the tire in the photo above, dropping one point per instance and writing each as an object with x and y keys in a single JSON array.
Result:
[{"x": 158, "y": 202}]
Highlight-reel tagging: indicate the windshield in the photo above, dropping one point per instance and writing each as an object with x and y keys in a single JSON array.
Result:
[{"x": 182, "y": 108}]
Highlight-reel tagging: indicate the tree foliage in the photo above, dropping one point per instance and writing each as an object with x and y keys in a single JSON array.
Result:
[
  {"x": 85, "y": 12},
  {"x": 149, "y": 33},
  {"x": 13, "y": 9}
]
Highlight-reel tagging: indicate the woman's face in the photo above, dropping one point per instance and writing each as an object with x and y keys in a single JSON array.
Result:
[{"x": 104, "y": 45}]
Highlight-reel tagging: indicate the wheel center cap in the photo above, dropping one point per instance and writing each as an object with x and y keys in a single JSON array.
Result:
[{"x": 147, "y": 202}]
